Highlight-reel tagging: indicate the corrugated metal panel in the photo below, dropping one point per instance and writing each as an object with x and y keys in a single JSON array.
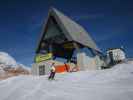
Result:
[
  {"x": 76, "y": 31},
  {"x": 72, "y": 30}
]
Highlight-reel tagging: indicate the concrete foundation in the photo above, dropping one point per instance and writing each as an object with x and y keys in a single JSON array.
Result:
[
  {"x": 88, "y": 63},
  {"x": 43, "y": 68}
]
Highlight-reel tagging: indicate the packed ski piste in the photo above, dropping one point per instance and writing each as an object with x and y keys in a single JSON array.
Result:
[{"x": 115, "y": 83}]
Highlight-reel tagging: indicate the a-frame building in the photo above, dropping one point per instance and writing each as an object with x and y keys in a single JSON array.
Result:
[{"x": 61, "y": 36}]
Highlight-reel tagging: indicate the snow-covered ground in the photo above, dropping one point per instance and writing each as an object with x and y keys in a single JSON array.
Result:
[{"x": 111, "y": 84}]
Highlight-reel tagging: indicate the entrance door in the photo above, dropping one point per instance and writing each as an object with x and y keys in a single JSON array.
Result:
[{"x": 42, "y": 70}]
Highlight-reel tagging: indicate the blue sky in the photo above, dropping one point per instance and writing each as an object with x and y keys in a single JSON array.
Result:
[{"x": 109, "y": 22}]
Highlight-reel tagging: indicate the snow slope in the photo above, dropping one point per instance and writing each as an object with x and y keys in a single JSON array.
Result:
[{"x": 110, "y": 84}]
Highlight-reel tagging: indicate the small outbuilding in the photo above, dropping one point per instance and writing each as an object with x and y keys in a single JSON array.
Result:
[{"x": 115, "y": 55}]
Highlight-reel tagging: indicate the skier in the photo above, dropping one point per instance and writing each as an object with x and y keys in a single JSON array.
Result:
[{"x": 52, "y": 71}]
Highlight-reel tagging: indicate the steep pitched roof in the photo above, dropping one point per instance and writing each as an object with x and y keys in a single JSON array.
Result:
[{"x": 72, "y": 30}]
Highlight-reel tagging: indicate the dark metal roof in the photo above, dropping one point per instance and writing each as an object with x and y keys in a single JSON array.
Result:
[{"x": 72, "y": 30}]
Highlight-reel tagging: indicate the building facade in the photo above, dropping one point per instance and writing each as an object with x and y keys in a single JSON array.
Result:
[{"x": 64, "y": 38}]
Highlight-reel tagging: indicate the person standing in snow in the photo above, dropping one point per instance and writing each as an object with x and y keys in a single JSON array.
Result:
[{"x": 52, "y": 71}]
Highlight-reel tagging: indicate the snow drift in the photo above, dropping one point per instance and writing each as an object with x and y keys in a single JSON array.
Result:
[{"x": 111, "y": 84}]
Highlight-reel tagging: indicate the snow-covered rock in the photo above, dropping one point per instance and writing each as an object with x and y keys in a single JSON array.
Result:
[
  {"x": 110, "y": 84},
  {"x": 25, "y": 67},
  {"x": 9, "y": 67},
  {"x": 2, "y": 72},
  {"x": 6, "y": 59}
]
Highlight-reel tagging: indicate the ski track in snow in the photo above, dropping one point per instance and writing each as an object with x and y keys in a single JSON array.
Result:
[{"x": 110, "y": 84}]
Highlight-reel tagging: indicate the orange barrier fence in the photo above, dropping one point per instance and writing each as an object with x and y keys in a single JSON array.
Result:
[{"x": 62, "y": 68}]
